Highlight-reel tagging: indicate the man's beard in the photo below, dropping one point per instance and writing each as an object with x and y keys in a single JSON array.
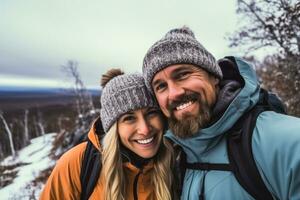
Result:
[{"x": 189, "y": 125}]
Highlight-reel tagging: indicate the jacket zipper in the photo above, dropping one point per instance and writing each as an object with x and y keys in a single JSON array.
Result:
[{"x": 135, "y": 191}]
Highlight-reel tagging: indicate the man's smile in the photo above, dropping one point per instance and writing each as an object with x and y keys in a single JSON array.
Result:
[{"x": 184, "y": 105}]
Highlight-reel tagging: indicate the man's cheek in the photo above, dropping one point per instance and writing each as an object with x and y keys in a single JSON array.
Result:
[{"x": 165, "y": 111}]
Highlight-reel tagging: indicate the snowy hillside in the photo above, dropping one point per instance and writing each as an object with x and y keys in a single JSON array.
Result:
[{"x": 28, "y": 165}]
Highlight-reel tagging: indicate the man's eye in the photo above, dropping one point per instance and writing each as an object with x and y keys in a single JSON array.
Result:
[
  {"x": 160, "y": 86},
  {"x": 182, "y": 75}
]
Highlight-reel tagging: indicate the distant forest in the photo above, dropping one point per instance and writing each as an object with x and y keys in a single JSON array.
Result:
[{"x": 26, "y": 113}]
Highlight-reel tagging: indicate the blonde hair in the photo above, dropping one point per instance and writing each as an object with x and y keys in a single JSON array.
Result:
[
  {"x": 114, "y": 176},
  {"x": 162, "y": 177},
  {"x": 112, "y": 166}
]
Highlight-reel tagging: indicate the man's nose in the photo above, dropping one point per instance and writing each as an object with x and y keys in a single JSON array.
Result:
[{"x": 175, "y": 91}]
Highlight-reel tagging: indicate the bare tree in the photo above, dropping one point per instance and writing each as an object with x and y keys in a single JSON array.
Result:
[
  {"x": 59, "y": 123},
  {"x": 26, "y": 133},
  {"x": 63, "y": 122},
  {"x": 1, "y": 151},
  {"x": 11, "y": 143},
  {"x": 40, "y": 125},
  {"x": 35, "y": 126},
  {"x": 83, "y": 97},
  {"x": 40, "y": 122},
  {"x": 280, "y": 76},
  {"x": 83, "y": 102},
  {"x": 276, "y": 24},
  {"x": 268, "y": 23}
]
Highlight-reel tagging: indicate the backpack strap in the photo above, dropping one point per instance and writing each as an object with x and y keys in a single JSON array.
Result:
[
  {"x": 182, "y": 167},
  {"x": 178, "y": 168},
  {"x": 206, "y": 167},
  {"x": 90, "y": 170},
  {"x": 209, "y": 166},
  {"x": 271, "y": 102},
  {"x": 239, "y": 147}
]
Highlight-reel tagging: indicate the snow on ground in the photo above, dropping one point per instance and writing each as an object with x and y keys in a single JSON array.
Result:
[{"x": 36, "y": 155}]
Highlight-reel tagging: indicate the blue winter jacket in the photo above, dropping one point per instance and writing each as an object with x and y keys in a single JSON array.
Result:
[{"x": 275, "y": 145}]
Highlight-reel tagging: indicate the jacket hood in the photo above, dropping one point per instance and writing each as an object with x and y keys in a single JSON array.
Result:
[
  {"x": 96, "y": 133},
  {"x": 234, "y": 69}
]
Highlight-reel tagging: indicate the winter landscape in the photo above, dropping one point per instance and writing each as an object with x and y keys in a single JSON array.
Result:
[
  {"x": 27, "y": 168},
  {"x": 38, "y": 124},
  {"x": 43, "y": 43}
]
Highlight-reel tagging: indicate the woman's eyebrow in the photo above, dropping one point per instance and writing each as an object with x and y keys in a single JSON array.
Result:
[
  {"x": 127, "y": 113},
  {"x": 150, "y": 108}
]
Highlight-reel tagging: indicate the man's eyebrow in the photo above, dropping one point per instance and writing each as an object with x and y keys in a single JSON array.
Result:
[
  {"x": 179, "y": 69},
  {"x": 156, "y": 82},
  {"x": 174, "y": 73}
]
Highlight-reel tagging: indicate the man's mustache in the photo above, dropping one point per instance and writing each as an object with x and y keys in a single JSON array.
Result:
[{"x": 191, "y": 96}]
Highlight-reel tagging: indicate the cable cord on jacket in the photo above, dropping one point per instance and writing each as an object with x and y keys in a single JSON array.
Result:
[
  {"x": 202, "y": 195},
  {"x": 135, "y": 185}
]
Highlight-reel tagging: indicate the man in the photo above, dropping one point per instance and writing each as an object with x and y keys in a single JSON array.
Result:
[{"x": 202, "y": 100}]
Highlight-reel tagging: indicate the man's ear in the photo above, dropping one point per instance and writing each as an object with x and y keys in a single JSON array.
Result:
[{"x": 214, "y": 80}]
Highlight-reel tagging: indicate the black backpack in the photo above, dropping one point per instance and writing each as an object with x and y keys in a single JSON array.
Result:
[
  {"x": 90, "y": 170},
  {"x": 241, "y": 161},
  {"x": 91, "y": 165}
]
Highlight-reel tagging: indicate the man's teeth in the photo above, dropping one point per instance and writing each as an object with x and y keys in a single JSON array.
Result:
[
  {"x": 146, "y": 141},
  {"x": 183, "y": 106}
]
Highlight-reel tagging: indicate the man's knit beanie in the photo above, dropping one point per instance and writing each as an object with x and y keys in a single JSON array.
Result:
[{"x": 178, "y": 46}]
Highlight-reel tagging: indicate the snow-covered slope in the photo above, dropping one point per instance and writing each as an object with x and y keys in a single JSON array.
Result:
[{"x": 35, "y": 159}]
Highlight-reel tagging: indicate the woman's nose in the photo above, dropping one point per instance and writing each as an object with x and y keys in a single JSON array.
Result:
[{"x": 143, "y": 127}]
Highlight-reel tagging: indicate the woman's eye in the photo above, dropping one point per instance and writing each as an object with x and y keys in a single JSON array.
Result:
[
  {"x": 153, "y": 112},
  {"x": 128, "y": 118}
]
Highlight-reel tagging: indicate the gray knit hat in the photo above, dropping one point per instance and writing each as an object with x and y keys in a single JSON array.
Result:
[
  {"x": 121, "y": 94},
  {"x": 178, "y": 46}
]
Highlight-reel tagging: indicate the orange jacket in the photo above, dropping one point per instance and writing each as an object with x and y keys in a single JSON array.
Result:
[{"x": 64, "y": 181}]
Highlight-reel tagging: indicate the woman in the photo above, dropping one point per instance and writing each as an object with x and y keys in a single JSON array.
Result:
[{"x": 135, "y": 158}]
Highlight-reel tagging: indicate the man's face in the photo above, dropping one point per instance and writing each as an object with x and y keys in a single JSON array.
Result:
[{"x": 186, "y": 95}]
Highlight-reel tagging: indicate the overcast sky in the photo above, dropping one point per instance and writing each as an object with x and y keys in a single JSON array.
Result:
[{"x": 38, "y": 36}]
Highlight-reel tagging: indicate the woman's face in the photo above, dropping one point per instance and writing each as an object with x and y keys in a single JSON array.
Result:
[{"x": 141, "y": 131}]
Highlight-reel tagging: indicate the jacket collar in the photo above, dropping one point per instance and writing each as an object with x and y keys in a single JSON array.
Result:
[{"x": 233, "y": 69}]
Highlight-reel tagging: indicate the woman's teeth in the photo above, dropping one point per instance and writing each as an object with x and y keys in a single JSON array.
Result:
[{"x": 146, "y": 141}]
